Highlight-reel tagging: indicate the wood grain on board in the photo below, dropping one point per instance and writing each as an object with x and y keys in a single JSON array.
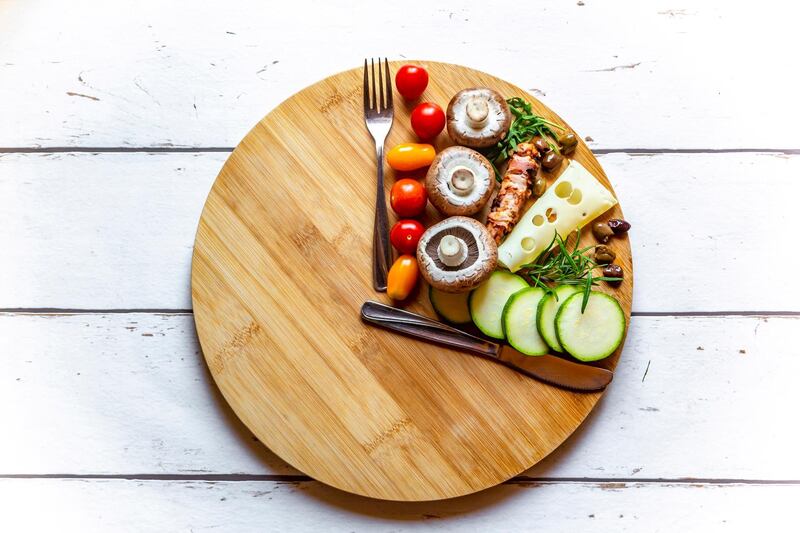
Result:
[{"x": 281, "y": 267}]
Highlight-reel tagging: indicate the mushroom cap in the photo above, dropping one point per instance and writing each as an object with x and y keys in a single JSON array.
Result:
[
  {"x": 481, "y": 255},
  {"x": 437, "y": 181},
  {"x": 460, "y": 129}
]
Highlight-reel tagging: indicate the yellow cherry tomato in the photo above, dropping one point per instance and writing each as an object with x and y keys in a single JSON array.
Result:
[
  {"x": 410, "y": 156},
  {"x": 402, "y": 277}
]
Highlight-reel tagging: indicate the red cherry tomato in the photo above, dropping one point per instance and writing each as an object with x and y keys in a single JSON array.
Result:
[
  {"x": 411, "y": 81},
  {"x": 405, "y": 235},
  {"x": 408, "y": 198},
  {"x": 427, "y": 119}
]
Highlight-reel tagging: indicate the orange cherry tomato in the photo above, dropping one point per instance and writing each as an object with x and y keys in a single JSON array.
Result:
[
  {"x": 402, "y": 277},
  {"x": 410, "y": 156}
]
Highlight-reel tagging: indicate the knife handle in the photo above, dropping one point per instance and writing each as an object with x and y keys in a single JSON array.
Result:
[{"x": 425, "y": 328}]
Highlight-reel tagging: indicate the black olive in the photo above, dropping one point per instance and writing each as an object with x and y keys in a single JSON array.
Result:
[
  {"x": 603, "y": 254},
  {"x": 540, "y": 144},
  {"x": 551, "y": 160},
  {"x": 613, "y": 271},
  {"x": 601, "y": 232},
  {"x": 619, "y": 226}
]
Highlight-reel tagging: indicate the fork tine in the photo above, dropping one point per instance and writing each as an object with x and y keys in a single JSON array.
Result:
[
  {"x": 381, "y": 88},
  {"x": 374, "y": 99},
  {"x": 366, "y": 86},
  {"x": 388, "y": 85}
]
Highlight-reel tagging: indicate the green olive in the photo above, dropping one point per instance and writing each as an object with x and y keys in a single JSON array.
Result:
[
  {"x": 603, "y": 255},
  {"x": 551, "y": 160},
  {"x": 539, "y": 186},
  {"x": 602, "y": 232},
  {"x": 568, "y": 142},
  {"x": 567, "y": 138}
]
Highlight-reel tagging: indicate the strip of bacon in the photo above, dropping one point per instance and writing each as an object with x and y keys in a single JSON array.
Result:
[{"x": 515, "y": 189}]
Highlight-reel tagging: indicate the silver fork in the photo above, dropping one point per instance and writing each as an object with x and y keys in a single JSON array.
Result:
[{"x": 378, "y": 114}]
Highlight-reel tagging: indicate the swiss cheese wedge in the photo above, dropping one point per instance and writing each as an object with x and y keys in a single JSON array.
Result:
[{"x": 572, "y": 201}]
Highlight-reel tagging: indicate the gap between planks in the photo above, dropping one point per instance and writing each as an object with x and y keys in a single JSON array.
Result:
[
  {"x": 225, "y": 149},
  {"x": 299, "y": 478}
]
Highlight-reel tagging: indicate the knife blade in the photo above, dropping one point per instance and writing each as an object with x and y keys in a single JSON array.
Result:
[{"x": 547, "y": 368}]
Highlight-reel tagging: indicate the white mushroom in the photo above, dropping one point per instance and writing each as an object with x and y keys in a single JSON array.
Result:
[
  {"x": 478, "y": 117},
  {"x": 456, "y": 255},
  {"x": 459, "y": 181}
]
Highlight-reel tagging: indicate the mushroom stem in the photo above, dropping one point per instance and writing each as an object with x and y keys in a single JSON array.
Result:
[
  {"x": 477, "y": 112},
  {"x": 452, "y": 250},
  {"x": 462, "y": 180}
]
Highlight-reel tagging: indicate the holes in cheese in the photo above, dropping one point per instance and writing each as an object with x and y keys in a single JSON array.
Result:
[
  {"x": 572, "y": 201},
  {"x": 564, "y": 189},
  {"x": 528, "y": 244},
  {"x": 570, "y": 194}
]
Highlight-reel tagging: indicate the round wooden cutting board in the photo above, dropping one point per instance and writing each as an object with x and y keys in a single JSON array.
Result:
[{"x": 281, "y": 266}]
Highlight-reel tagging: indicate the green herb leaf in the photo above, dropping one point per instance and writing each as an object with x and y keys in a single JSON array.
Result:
[
  {"x": 586, "y": 290},
  {"x": 525, "y": 126},
  {"x": 557, "y": 265}
]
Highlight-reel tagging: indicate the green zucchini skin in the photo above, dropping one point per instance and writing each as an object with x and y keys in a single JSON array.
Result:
[
  {"x": 519, "y": 321},
  {"x": 546, "y": 315}
]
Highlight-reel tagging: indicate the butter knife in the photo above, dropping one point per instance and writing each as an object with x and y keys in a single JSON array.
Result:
[{"x": 547, "y": 368}]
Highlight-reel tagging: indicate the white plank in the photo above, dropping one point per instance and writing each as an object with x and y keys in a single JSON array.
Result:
[
  {"x": 129, "y": 393},
  {"x": 105, "y": 231},
  {"x": 710, "y": 231},
  {"x": 142, "y": 506},
  {"x": 117, "y": 393},
  {"x": 101, "y": 231},
  {"x": 629, "y": 74}
]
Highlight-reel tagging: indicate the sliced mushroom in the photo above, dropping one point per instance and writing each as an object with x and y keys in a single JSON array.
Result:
[
  {"x": 456, "y": 254},
  {"x": 478, "y": 117},
  {"x": 459, "y": 181}
]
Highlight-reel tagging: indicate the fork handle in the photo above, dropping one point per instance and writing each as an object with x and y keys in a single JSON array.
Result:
[{"x": 381, "y": 252}]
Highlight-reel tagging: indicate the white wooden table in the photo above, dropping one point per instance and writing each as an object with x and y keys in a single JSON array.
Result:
[{"x": 115, "y": 118}]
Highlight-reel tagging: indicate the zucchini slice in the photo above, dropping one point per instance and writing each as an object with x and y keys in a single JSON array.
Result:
[
  {"x": 519, "y": 321},
  {"x": 595, "y": 333},
  {"x": 546, "y": 314},
  {"x": 486, "y": 303},
  {"x": 452, "y": 307}
]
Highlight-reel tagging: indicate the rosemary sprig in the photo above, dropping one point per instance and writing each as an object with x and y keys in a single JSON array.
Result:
[
  {"x": 525, "y": 126},
  {"x": 557, "y": 265}
]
